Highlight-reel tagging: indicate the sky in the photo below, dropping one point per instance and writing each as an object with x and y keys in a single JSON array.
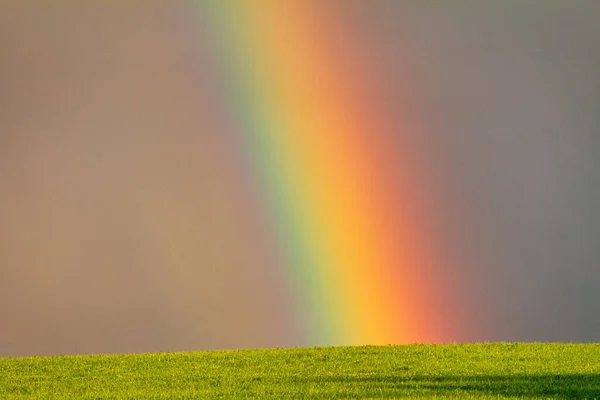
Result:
[{"x": 129, "y": 224}]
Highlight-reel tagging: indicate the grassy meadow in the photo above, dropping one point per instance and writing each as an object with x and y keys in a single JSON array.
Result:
[{"x": 465, "y": 371}]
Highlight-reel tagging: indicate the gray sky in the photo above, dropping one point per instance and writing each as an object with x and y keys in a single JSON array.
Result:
[
  {"x": 111, "y": 199},
  {"x": 511, "y": 95}
]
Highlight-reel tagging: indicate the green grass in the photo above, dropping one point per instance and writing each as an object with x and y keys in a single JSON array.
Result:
[{"x": 525, "y": 371}]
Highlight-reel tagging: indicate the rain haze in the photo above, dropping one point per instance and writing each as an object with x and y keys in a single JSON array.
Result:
[{"x": 128, "y": 225}]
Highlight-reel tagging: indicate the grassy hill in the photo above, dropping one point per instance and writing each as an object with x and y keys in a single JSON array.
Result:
[{"x": 501, "y": 370}]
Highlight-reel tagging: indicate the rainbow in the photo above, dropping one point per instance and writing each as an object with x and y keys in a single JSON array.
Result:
[{"x": 337, "y": 173}]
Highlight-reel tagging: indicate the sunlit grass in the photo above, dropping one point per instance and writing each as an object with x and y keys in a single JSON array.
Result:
[{"x": 526, "y": 371}]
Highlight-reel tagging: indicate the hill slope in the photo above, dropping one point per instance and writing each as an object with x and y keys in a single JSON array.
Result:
[{"x": 501, "y": 370}]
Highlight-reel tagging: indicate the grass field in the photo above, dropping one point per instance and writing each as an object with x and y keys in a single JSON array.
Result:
[{"x": 525, "y": 371}]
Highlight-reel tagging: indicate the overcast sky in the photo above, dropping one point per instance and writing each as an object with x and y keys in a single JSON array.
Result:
[{"x": 106, "y": 188}]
